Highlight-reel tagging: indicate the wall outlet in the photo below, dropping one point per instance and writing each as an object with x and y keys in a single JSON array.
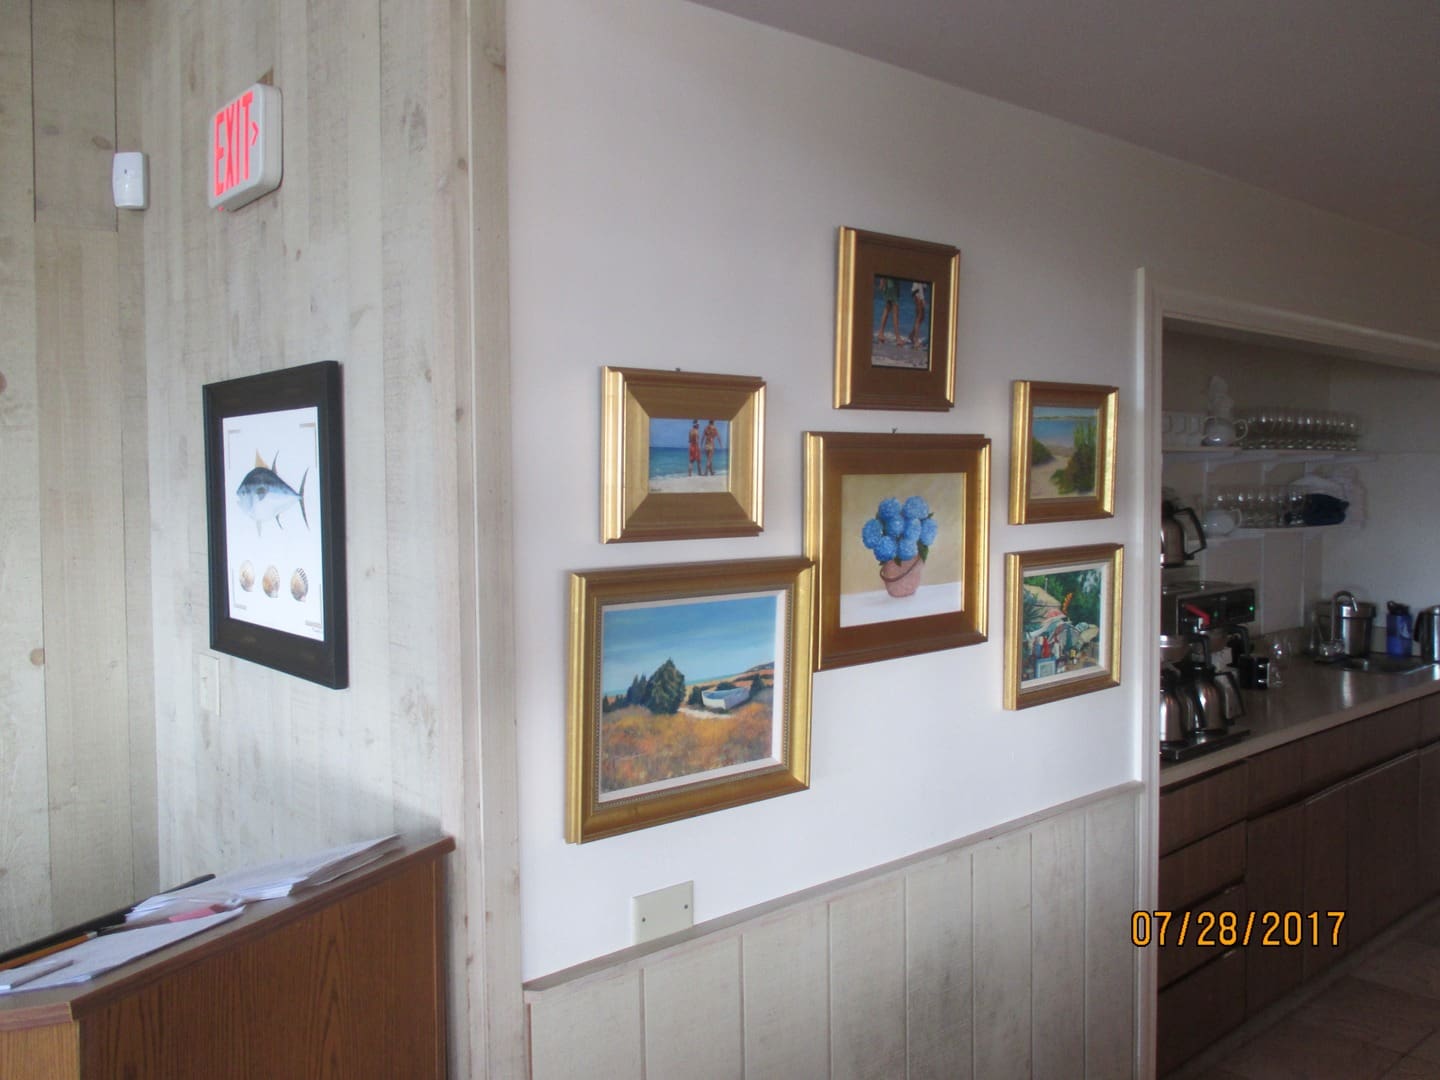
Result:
[{"x": 664, "y": 911}]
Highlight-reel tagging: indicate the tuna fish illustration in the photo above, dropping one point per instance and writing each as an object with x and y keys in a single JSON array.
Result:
[{"x": 262, "y": 494}]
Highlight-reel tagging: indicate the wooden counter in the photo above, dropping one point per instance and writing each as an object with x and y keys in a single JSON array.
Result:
[{"x": 344, "y": 980}]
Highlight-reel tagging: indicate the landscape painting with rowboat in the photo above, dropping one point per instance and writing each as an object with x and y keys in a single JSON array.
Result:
[{"x": 688, "y": 691}]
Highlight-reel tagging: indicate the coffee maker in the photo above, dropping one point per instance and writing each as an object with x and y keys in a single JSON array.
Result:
[{"x": 1205, "y": 642}]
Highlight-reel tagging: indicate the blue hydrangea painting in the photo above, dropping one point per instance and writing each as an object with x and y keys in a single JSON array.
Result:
[{"x": 901, "y": 551}]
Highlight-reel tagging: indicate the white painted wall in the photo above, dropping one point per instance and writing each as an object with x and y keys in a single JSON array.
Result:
[{"x": 677, "y": 178}]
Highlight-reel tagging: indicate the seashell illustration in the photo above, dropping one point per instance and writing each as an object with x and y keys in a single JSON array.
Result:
[
  {"x": 247, "y": 576},
  {"x": 299, "y": 584},
  {"x": 271, "y": 582}
]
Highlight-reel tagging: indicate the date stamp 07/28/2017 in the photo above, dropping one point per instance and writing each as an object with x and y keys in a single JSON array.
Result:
[{"x": 1226, "y": 929}]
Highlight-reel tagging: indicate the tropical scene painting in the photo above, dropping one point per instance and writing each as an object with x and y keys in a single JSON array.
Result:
[
  {"x": 689, "y": 455},
  {"x": 689, "y": 691},
  {"x": 901, "y": 326},
  {"x": 273, "y": 531},
  {"x": 1063, "y": 451},
  {"x": 901, "y": 546},
  {"x": 1063, "y": 631}
]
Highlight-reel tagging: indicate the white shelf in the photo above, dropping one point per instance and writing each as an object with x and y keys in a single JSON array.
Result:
[
  {"x": 1231, "y": 455},
  {"x": 1287, "y": 530}
]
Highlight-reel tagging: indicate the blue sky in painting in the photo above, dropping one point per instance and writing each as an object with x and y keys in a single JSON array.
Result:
[{"x": 706, "y": 639}]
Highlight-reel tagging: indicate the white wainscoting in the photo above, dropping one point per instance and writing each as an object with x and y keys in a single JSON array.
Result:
[{"x": 1001, "y": 955}]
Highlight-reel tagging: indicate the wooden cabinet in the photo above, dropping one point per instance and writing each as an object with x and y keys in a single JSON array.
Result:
[
  {"x": 1382, "y": 833},
  {"x": 1428, "y": 864},
  {"x": 1199, "y": 1009},
  {"x": 1325, "y": 886},
  {"x": 1275, "y": 861},
  {"x": 1345, "y": 820},
  {"x": 345, "y": 980}
]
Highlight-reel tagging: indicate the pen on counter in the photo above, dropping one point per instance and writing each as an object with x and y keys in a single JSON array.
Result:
[
  {"x": 46, "y": 950},
  {"x": 49, "y": 967}
]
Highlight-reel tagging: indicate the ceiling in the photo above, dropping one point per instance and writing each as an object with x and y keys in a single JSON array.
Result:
[{"x": 1335, "y": 103}]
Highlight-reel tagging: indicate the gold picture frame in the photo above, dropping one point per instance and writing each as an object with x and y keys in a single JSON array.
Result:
[
  {"x": 644, "y": 496},
  {"x": 1058, "y": 646},
  {"x": 886, "y": 586},
  {"x": 1062, "y": 452},
  {"x": 918, "y": 284},
  {"x": 662, "y": 729}
]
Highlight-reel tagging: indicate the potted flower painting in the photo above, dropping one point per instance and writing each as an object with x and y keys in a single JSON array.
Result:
[
  {"x": 898, "y": 527},
  {"x": 900, "y": 536}
]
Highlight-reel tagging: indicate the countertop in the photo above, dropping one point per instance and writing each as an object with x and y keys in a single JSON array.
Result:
[{"x": 1315, "y": 697}]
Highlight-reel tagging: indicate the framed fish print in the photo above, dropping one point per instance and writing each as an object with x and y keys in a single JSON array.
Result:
[
  {"x": 682, "y": 455},
  {"x": 275, "y": 500},
  {"x": 1062, "y": 452},
  {"x": 1062, "y": 622},
  {"x": 899, "y": 529},
  {"x": 895, "y": 322},
  {"x": 689, "y": 691}
]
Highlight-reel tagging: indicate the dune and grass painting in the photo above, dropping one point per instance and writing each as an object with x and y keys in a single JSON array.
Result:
[
  {"x": 687, "y": 690},
  {"x": 1062, "y": 452}
]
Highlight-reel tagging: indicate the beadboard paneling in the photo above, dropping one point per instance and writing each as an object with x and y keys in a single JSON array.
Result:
[
  {"x": 74, "y": 43},
  {"x": 590, "y": 1030},
  {"x": 995, "y": 956},
  {"x": 787, "y": 995},
  {"x": 82, "y": 515},
  {"x": 24, "y": 788}
]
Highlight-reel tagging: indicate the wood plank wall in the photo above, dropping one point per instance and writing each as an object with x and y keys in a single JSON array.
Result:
[
  {"x": 365, "y": 255},
  {"x": 77, "y": 835},
  {"x": 1003, "y": 957}
]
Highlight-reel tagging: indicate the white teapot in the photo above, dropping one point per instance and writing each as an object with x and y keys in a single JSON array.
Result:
[{"x": 1222, "y": 431}]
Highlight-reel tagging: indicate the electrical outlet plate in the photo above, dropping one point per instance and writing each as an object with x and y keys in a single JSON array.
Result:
[{"x": 664, "y": 911}]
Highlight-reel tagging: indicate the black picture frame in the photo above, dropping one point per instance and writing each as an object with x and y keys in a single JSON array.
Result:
[{"x": 293, "y": 415}]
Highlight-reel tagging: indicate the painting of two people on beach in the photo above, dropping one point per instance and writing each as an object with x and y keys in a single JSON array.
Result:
[
  {"x": 901, "y": 326},
  {"x": 689, "y": 691},
  {"x": 1062, "y": 452},
  {"x": 689, "y": 455}
]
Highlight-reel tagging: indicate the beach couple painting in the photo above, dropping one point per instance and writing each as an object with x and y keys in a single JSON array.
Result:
[{"x": 685, "y": 457}]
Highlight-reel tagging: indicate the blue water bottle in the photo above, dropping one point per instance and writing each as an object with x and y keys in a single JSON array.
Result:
[{"x": 1397, "y": 628}]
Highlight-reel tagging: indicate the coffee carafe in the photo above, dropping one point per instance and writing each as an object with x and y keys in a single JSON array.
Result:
[
  {"x": 1177, "y": 709},
  {"x": 1200, "y": 683}
]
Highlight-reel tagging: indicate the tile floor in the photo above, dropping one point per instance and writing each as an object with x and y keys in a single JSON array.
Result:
[{"x": 1379, "y": 1019}]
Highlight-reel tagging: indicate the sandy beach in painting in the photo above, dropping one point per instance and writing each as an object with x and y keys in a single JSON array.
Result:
[
  {"x": 1042, "y": 482},
  {"x": 671, "y": 484}
]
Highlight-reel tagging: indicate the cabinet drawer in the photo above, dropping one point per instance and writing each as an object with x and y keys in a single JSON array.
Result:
[
  {"x": 1203, "y": 868},
  {"x": 1201, "y": 934},
  {"x": 1276, "y": 777},
  {"x": 1429, "y": 718},
  {"x": 1202, "y": 807},
  {"x": 1386, "y": 735},
  {"x": 1199, "y": 1009},
  {"x": 1329, "y": 757}
]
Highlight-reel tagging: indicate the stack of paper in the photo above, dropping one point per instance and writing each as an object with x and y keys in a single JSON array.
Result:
[{"x": 269, "y": 881}]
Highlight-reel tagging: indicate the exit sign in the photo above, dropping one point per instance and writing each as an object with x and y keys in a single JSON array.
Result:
[{"x": 245, "y": 148}]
